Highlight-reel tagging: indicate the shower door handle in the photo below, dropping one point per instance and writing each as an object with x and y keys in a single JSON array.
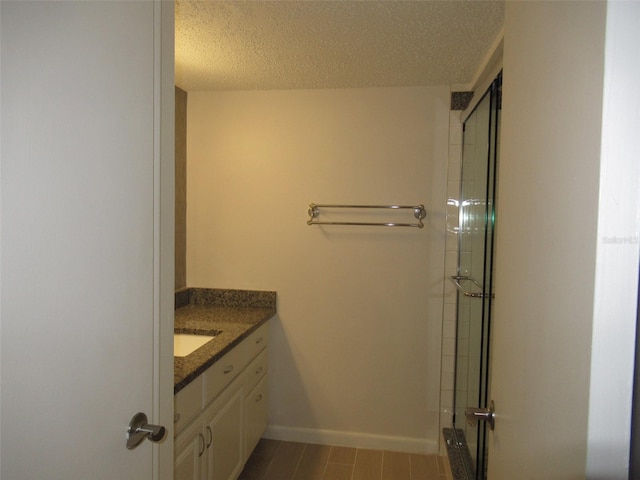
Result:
[{"x": 488, "y": 415}]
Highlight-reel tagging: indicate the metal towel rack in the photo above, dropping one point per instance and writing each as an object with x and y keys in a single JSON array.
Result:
[
  {"x": 456, "y": 279},
  {"x": 418, "y": 211}
]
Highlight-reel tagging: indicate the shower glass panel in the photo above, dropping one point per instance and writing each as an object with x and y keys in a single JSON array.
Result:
[{"x": 474, "y": 278}]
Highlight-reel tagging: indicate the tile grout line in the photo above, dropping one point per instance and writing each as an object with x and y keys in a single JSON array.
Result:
[
  {"x": 273, "y": 457},
  {"x": 268, "y": 465},
  {"x": 326, "y": 464},
  {"x": 411, "y": 467},
  {"x": 295, "y": 470},
  {"x": 355, "y": 460},
  {"x": 353, "y": 467},
  {"x": 266, "y": 470}
]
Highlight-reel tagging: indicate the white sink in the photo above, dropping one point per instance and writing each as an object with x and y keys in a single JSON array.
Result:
[{"x": 184, "y": 343}]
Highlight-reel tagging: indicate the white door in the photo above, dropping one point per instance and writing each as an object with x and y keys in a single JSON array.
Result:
[
  {"x": 86, "y": 272},
  {"x": 567, "y": 252}
]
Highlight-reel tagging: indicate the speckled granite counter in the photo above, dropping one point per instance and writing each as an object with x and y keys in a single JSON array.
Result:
[{"x": 230, "y": 314}]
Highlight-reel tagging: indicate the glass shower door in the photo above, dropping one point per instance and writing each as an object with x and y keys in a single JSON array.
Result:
[{"x": 474, "y": 278}]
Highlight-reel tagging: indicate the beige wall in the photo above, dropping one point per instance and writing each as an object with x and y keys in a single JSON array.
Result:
[{"x": 355, "y": 357}]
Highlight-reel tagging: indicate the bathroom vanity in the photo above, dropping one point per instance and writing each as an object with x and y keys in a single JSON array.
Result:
[{"x": 220, "y": 409}]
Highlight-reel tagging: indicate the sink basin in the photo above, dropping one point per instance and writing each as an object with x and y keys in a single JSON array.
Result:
[{"x": 184, "y": 343}]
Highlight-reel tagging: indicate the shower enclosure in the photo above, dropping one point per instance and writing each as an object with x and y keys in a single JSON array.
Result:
[{"x": 474, "y": 282}]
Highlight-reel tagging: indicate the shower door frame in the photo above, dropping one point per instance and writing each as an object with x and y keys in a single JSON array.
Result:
[{"x": 476, "y": 468}]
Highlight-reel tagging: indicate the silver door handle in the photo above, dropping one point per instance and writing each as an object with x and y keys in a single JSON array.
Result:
[
  {"x": 481, "y": 414},
  {"x": 139, "y": 429}
]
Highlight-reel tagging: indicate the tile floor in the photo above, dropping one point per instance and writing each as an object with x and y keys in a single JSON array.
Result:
[{"x": 280, "y": 460}]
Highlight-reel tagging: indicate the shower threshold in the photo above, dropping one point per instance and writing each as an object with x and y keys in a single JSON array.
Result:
[{"x": 458, "y": 452}]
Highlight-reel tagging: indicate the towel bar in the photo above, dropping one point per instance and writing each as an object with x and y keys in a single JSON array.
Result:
[{"x": 418, "y": 211}]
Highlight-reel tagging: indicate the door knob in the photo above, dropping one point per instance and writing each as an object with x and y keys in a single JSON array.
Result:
[
  {"x": 139, "y": 429},
  {"x": 485, "y": 414}
]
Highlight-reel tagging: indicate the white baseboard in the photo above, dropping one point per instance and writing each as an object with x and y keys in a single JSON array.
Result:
[{"x": 352, "y": 439}]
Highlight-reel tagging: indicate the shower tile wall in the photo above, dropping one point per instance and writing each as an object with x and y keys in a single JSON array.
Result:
[{"x": 451, "y": 265}]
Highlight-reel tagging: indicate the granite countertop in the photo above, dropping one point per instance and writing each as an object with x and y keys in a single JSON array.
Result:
[{"x": 229, "y": 314}]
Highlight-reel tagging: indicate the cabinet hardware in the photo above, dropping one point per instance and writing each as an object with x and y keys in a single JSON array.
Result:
[
  {"x": 229, "y": 369},
  {"x": 210, "y": 436},
  {"x": 201, "y": 437}
]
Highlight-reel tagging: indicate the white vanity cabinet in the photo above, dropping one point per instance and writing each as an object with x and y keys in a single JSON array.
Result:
[
  {"x": 225, "y": 440},
  {"x": 221, "y": 415},
  {"x": 255, "y": 402},
  {"x": 189, "y": 446}
]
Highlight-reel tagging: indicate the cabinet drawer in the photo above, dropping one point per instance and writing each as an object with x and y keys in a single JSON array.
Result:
[
  {"x": 256, "y": 370},
  {"x": 257, "y": 341},
  {"x": 187, "y": 403},
  {"x": 255, "y": 415},
  {"x": 220, "y": 374}
]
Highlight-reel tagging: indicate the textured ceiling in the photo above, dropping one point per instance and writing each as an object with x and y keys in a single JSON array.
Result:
[{"x": 239, "y": 45}]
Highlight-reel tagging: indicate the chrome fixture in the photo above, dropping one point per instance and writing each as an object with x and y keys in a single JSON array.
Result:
[
  {"x": 418, "y": 211},
  {"x": 139, "y": 429},
  {"x": 474, "y": 415},
  {"x": 456, "y": 279}
]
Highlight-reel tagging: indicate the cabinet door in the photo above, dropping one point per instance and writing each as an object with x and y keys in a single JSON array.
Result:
[
  {"x": 189, "y": 456},
  {"x": 224, "y": 428},
  {"x": 255, "y": 415}
]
